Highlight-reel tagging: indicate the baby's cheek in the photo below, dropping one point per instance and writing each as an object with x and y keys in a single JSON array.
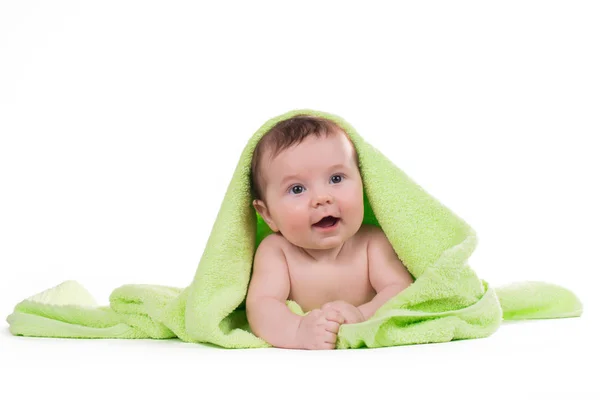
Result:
[
  {"x": 300, "y": 221},
  {"x": 356, "y": 203},
  {"x": 295, "y": 220}
]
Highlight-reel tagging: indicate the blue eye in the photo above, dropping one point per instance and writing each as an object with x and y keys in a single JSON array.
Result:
[{"x": 293, "y": 187}]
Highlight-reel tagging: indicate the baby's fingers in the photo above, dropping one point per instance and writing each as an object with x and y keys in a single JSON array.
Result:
[
  {"x": 331, "y": 326},
  {"x": 334, "y": 315}
]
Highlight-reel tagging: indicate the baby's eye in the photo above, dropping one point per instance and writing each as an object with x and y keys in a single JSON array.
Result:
[
  {"x": 295, "y": 191},
  {"x": 336, "y": 180}
]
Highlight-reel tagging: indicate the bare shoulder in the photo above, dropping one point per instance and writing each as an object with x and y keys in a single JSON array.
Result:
[
  {"x": 385, "y": 267},
  {"x": 270, "y": 252},
  {"x": 271, "y": 241},
  {"x": 275, "y": 242},
  {"x": 270, "y": 276}
]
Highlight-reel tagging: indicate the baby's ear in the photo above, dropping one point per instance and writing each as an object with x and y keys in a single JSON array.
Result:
[{"x": 261, "y": 208}]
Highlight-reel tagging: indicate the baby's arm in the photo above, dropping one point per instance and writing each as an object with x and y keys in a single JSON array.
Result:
[
  {"x": 268, "y": 315},
  {"x": 387, "y": 274}
]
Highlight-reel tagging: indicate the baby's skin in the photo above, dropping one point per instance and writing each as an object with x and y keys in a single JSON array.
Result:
[
  {"x": 333, "y": 291},
  {"x": 341, "y": 273}
]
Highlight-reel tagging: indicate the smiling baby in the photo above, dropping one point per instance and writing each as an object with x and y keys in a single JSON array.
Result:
[{"x": 308, "y": 189}]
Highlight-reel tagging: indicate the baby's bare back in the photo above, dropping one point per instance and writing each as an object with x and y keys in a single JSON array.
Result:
[{"x": 313, "y": 283}]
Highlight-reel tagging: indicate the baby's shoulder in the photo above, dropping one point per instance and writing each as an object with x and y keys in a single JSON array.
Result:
[
  {"x": 272, "y": 241},
  {"x": 269, "y": 254},
  {"x": 277, "y": 242}
]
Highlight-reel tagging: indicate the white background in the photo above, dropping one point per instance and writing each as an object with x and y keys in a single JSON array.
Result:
[{"x": 121, "y": 124}]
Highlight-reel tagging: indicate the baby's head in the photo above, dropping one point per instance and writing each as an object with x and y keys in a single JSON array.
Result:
[{"x": 304, "y": 169}]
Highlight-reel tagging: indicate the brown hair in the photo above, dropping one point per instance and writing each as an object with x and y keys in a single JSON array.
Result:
[{"x": 285, "y": 134}]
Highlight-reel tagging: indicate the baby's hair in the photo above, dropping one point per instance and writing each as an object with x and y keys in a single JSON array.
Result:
[{"x": 284, "y": 135}]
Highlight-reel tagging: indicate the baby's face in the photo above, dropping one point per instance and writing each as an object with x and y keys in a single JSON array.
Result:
[{"x": 307, "y": 182}]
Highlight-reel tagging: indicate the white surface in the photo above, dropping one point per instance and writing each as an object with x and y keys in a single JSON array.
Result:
[
  {"x": 518, "y": 361},
  {"x": 122, "y": 122}
]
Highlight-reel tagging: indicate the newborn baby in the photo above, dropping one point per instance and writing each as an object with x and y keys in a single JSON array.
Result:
[{"x": 308, "y": 189}]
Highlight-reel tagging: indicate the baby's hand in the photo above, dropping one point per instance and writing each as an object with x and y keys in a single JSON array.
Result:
[
  {"x": 351, "y": 314},
  {"x": 318, "y": 329}
]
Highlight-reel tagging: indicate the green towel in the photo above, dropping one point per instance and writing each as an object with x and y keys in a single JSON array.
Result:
[{"x": 447, "y": 300}]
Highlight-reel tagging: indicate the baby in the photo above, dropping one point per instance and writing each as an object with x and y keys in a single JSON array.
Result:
[{"x": 308, "y": 188}]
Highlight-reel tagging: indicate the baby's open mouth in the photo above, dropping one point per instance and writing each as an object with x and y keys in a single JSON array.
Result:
[{"x": 326, "y": 222}]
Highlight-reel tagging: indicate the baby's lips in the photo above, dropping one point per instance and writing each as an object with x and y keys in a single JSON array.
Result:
[
  {"x": 335, "y": 219},
  {"x": 327, "y": 216}
]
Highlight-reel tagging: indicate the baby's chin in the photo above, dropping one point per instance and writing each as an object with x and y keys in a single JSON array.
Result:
[
  {"x": 319, "y": 244},
  {"x": 315, "y": 240}
]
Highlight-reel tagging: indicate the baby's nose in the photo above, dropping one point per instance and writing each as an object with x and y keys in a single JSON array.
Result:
[{"x": 322, "y": 199}]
